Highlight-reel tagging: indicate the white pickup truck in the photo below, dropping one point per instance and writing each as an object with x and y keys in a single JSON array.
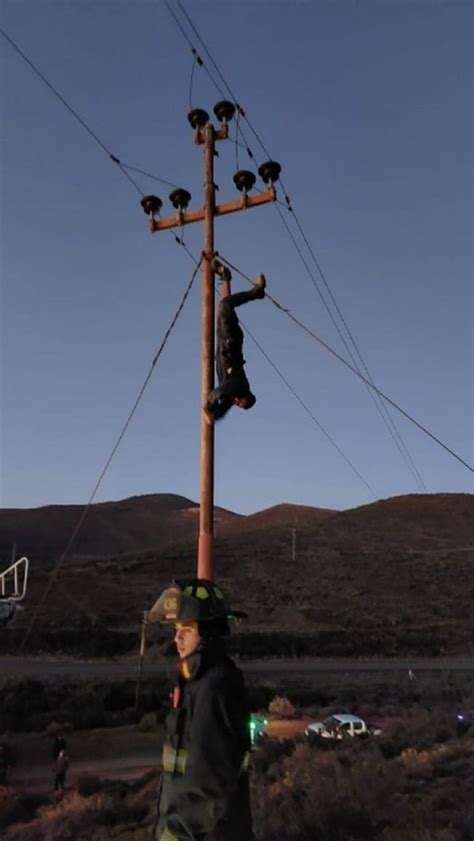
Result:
[{"x": 339, "y": 725}]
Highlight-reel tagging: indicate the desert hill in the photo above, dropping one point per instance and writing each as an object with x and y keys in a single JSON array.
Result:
[
  {"x": 393, "y": 577},
  {"x": 110, "y": 528},
  {"x": 278, "y": 516}
]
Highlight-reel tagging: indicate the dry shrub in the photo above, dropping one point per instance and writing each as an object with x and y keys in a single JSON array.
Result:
[
  {"x": 322, "y": 795},
  {"x": 76, "y": 818},
  {"x": 147, "y": 723},
  {"x": 281, "y": 707},
  {"x": 353, "y": 793},
  {"x": 15, "y": 806},
  {"x": 70, "y": 819}
]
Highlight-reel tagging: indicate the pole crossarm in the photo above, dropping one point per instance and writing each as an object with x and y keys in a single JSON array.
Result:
[{"x": 220, "y": 210}]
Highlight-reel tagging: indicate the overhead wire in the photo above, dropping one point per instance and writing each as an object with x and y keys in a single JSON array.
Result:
[
  {"x": 191, "y": 82},
  {"x": 394, "y": 433},
  {"x": 303, "y": 404},
  {"x": 379, "y": 405},
  {"x": 193, "y": 49},
  {"x": 123, "y": 167},
  {"x": 309, "y": 412},
  {"x": 147, "y": 174},
  {"x": 354, "y": 370},
  {"x": 85, "y": 511}
]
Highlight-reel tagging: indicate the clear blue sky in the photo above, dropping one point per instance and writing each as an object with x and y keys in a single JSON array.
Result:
[{"x": 368, "y": 107}]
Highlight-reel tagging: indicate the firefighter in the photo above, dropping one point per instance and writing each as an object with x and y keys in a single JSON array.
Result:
[{"x": 204, "y": 790}]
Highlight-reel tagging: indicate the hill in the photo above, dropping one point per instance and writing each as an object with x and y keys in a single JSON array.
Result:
[
  {"x": 135, "y": 524},
  {"x": 394, "y": 577}
]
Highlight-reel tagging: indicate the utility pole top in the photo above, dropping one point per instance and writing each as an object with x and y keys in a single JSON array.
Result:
[{"x": 206, "y": 135}]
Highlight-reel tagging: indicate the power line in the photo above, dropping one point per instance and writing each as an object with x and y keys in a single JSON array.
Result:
[
  {"x": 396, "y": 437},
  {"x": 191, "y": 45},
  {"x": 379, "y": 405},
  {"x": 86, "y": 508},
  {"x": 358, "y": 374},
  {"x": 123, "y": 167},
  {"x": 309, "y": 412},
  {"x": 147, "y": 174}
]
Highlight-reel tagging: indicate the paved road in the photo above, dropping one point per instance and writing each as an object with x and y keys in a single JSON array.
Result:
[{"x": 48, "y": 668}]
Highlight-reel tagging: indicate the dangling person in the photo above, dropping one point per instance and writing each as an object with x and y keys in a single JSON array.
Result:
[{"x": 233, "y": 388}]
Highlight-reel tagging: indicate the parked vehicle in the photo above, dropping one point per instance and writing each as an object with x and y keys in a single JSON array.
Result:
[{"x": 341, "y": 724}]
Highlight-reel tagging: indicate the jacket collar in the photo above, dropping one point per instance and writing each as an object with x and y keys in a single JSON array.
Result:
[{"x": 210, "y": 651}]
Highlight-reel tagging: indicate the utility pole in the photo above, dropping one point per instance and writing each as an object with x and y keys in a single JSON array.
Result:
[
  {"x": 205, "y": 134},
  {"x": 206, "y": 508}
]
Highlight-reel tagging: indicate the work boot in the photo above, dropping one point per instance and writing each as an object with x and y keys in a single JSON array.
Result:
[
  {"x": 259, "y": 288},
  {"x": 222, "y": 271}
]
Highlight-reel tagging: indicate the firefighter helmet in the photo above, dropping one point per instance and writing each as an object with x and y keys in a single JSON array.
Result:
[{"x": 192, "y": 600}]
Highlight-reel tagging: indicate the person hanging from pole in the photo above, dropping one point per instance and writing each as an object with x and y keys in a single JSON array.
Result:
[
  {"x": 233, "y": 388},
  {"x": 204, "y": 788}
]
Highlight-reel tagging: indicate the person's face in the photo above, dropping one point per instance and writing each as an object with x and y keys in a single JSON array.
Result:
[
  {"x": 186, "y": 637},
  {"x": 241, "y": 402}
]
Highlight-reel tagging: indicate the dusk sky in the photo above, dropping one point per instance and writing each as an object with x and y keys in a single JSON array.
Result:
[{"x": 368, "y": 108}]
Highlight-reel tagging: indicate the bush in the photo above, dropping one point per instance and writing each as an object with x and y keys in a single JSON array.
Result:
[
  {"x": 281, "y": 708},
  {"x": 147, "y": 723}
]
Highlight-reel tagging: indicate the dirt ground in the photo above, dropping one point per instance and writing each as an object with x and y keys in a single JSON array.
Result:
[{"x": 114, "y": 753}]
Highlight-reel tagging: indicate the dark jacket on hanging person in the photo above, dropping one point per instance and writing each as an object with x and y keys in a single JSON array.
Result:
[
  {"x": 229, "y": 358},
  {"x": 204, "y": 782}
]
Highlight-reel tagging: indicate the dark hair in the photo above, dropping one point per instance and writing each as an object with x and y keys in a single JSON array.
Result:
[
  {"x": 214, "y": 628},
  {"x": 220, "y": 407}
]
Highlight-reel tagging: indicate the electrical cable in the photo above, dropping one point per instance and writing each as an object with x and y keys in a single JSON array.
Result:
[
  {"x": 341, "y": 359},
  {"x": 123, "y": 167},
  {"x": 191, "y": 81},
  {"x": 57, "y": 568},
  {"x": 148, "y": 175},
  {"x": 378, "y": 403},
  {"x": 396, "y": 438},
  {"x": 305, "y": 406},
  {"x": 193, "y": 50},
  {"x": 309, "y": 412},
  {"x": 236, "y": 142}
]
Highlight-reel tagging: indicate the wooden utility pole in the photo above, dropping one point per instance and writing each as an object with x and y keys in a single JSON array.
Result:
[
  {"x": 206, "y": 508},
  {"x": 206, "y": 134}
]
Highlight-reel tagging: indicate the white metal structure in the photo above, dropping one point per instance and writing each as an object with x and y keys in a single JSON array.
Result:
[{"x": 13, "y": 583}]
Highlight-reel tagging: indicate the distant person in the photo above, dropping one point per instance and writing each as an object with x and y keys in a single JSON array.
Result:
[
  {"x": 233, "y": 388},
  {"x": 60, "y": 770},
  {"x": 204, "y": 789},
  {"x": 411, "y": 674},
  {"x": 59, "y": 744}
]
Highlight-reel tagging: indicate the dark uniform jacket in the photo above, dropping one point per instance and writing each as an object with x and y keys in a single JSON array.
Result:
[
  {"x": 204, "y": 781},
  {"x": 229, "y": 358}
]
